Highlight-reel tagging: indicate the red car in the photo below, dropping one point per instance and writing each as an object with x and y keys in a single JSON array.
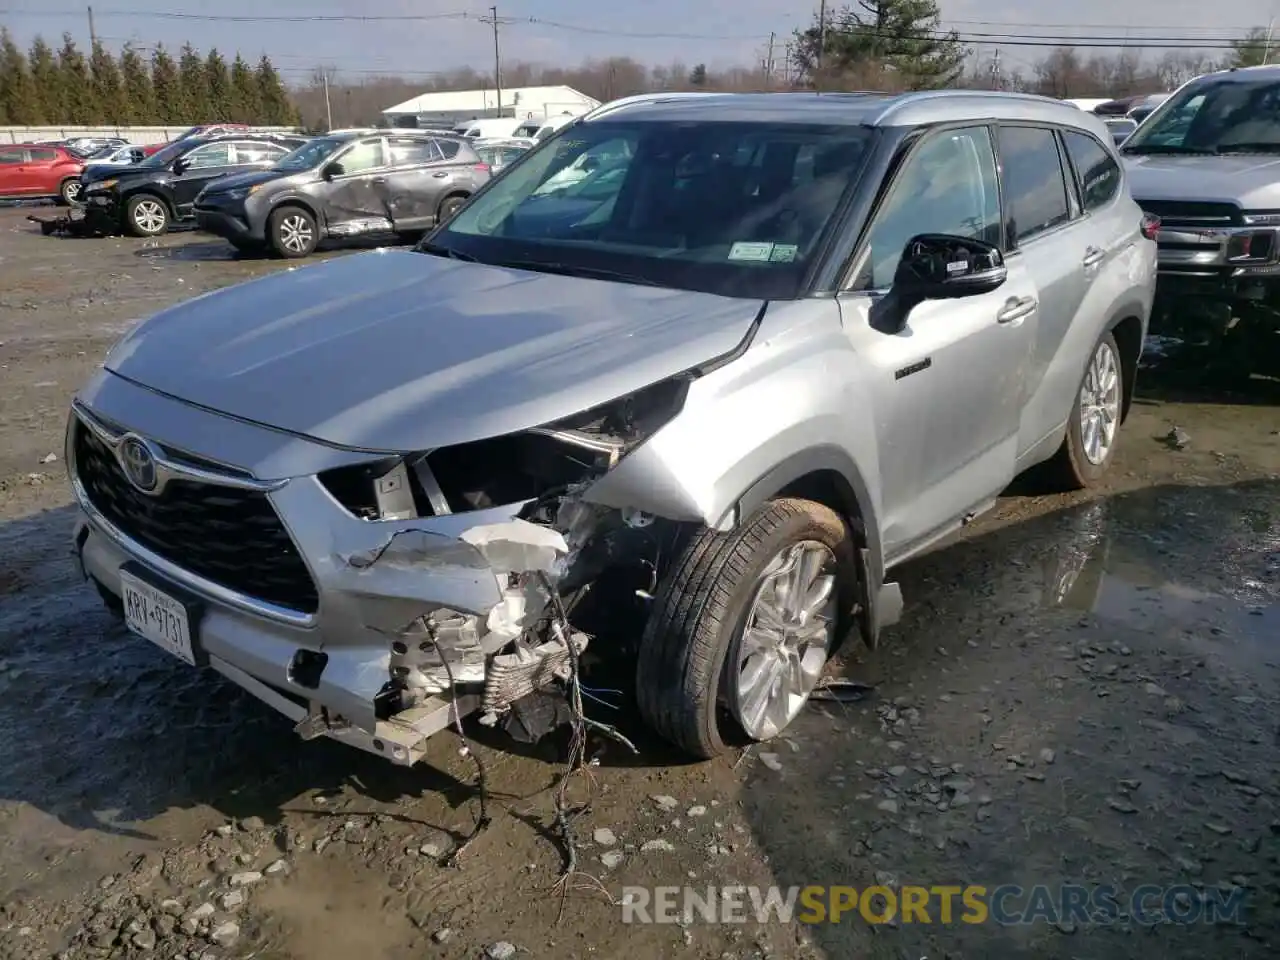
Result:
[
  {"x": 203, "y": 130},
  {"x": 40, "y": 170}
]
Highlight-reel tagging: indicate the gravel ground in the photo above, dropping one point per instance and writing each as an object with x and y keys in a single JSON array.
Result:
[{"x": 1084, "y": 690}]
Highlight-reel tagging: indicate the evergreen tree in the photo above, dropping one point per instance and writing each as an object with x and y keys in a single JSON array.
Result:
[
  {"x": 135, "y": 80},
  {"x": 166, "y": 87},
  {"x": 18, "y": 102},
  {"x": 195, "y": 89},
  {"x": 217, "y": 84},
  {"x": 46, "y": 80},
  {"x": 80, "y": 105},
  {"x": 246, "y": 101},
  {"x": 1252, "y": 51},
  {"x": 698, "y": 76},
  {"x": 277, "y": 108},
  {"x": 107, "y": 91},
  {"x": 902, "y": 37}
]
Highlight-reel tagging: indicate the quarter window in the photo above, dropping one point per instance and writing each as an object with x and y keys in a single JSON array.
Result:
[
  {"x": 1034, "y": 187},
  {"x": 1097, "y": 172},
  {"x": 947, "y": 185},
  {"x": 449, "y": 148}
]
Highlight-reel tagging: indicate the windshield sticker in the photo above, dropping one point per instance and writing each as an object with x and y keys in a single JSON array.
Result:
[
  {"x": 751, "y": 251},
  {"x": 783, "y": 253}
]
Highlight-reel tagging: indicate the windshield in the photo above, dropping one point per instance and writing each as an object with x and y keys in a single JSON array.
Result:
[
  {"x": 310, "y": 154},
  {"x": 736, "y": 209},
  {"x": 1222, "y": 116}
]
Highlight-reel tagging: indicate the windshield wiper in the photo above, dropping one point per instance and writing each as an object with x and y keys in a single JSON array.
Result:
[
  {"x": 439, "y": 250},
  {"x": 1154, "y": 148},
  {"x": 576, "y": 270},
  {"x": 1248, "y": 148}
]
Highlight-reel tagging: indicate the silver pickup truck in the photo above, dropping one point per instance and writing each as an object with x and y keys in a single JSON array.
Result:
[{"x": 1207, "y": 163}]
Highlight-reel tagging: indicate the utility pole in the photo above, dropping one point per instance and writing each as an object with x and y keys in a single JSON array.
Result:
[
  {"x": 328, "y": 109},
  {"x": 497, "y": 61},
  {"x": 822, "y": 43},
  {"x": 768, "y": 64},
  {"x": 93, "y": 34},
  {"x": 1266, "y": 50},
  {"x": 995, "y": 70},
  {"x": 786, "y": 64}
]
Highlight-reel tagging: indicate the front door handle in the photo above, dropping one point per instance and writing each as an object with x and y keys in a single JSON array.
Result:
[
  {"x": 1016, "y": 308},
  {"x": 440, "y": 176},
  {"x": 1093, "y": 256}
]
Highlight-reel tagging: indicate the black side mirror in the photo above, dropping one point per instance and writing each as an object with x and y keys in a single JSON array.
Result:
[
  {"x": 936, "y": 266},
  {"x": 332, "y": 170},
  {"x": 181, "y": 166}
]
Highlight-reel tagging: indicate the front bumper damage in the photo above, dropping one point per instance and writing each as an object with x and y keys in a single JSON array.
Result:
[{"x": 419, "y": 622}]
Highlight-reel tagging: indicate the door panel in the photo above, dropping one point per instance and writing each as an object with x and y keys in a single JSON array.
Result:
[
  {"x": 411, "y": 187},
  {"x": 1052, "y": 241},
  {"x": 949, "y": 384},
  {"x": 351, "y": 201},
  {"x": 206, "y": 163},
  {"x": 14, "y": 178}
]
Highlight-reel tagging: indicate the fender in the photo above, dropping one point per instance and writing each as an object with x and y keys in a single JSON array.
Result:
[{"x": 880, "y": 603}]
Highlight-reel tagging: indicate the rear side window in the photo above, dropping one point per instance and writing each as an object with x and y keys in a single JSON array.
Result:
[
  {"x": 1097, "y": 172},
  {"x": 1034, "y": 188},
  {"x": 406, "y": 151},
  {"x": 43, "y": 156}
]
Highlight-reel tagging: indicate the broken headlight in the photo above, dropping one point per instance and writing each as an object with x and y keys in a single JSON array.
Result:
[{"x": 508, "y": 469}]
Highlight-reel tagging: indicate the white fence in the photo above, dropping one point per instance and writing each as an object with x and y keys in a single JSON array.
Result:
[{"x": 139, "y": 135}]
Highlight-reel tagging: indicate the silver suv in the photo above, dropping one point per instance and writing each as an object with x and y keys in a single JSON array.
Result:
[{"x": 738, "y": 355}]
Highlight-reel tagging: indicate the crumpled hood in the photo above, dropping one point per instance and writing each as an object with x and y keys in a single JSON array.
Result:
[
  {"x": 1252, "y": 181},
  {"x": 395, "y": 350}
]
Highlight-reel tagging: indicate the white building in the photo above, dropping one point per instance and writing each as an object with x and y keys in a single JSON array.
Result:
[{"x": 446, "y": 109}]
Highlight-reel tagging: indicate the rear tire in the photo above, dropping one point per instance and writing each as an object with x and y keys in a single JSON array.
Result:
[
  {"x": 146, "y": 215},
  {"x": 292, "y": 232},
  {"x": 694, "y": 654},
  {"x": 1093, "y": 429}
]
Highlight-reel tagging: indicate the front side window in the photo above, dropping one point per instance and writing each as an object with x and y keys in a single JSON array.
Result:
[
  {"x": 1219, "y": 116},
  {"x": 713, "y": 206},
  {"x": 947, "y": 185},
  {"x": 363, "y": 156},
  {"x": 1097, "y": 172},
  {"x": 210, "y": 155},
  {"x": 12, "y": 156},
  {"x": 1034, "y": 187},
  {"x": 310, "y": 155}
]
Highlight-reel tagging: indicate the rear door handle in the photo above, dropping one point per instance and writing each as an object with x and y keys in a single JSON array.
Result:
[
  {"x": 441, "y": 175},
  {"x": 1093, "y": 256},
  {"x": 379, "y": 179},
  {"x": 1016, "y": 308}
]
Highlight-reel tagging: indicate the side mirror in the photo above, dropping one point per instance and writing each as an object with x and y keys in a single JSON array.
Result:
[
  {"x": 937, "y": 266},
  {"x": 181, "y": 166},
  {"x": 332, "y": 170}
]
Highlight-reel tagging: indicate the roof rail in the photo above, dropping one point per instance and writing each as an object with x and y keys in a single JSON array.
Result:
[{"x": 614, "y": 105}]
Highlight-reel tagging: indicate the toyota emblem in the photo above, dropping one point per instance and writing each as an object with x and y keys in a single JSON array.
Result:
[{"x": 139, "y": 463}]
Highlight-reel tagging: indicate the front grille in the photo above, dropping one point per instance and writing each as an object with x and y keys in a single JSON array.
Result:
[
  {"x": 229, "y": 536},
  {"x": 1191, "y": 213}
]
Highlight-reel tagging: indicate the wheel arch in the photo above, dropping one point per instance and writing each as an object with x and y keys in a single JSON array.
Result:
[
  {"x": 292, "y": 200},
  {"x": 827, "y": 474},
  {"x": 1128, "y": 330},
  {"x": 452, "y": 195}
]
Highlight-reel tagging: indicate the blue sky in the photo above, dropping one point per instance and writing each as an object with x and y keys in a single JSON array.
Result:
[{"x": 734, "y": 30}]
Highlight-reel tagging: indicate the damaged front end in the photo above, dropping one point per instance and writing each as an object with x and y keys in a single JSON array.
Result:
[{"x": 540, "y": 539}]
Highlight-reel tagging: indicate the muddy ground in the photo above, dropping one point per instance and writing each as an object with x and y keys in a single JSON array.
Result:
[{"x": 1084, "y": 690}]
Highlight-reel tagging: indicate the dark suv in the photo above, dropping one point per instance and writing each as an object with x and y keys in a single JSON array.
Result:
[
  {"x": 343, "y": 185},
  {"x": 145, "y": 198}
]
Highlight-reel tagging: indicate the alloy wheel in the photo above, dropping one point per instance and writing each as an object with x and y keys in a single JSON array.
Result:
[{"x": 1100, "y": 404}]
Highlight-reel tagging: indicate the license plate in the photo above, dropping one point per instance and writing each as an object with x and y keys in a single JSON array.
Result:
[{"x": 158, "y": 617}]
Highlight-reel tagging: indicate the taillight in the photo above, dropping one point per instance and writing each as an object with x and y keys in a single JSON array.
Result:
[
  {"x": 481, "y": 168},
  {"x": 1150, "y": 226}
]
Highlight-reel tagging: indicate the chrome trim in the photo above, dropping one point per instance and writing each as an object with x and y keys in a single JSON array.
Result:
[
  {"x": 1209, "y": 246},
  {"x": 167, "y": 469},
  {"x": 209, "y": 589}
]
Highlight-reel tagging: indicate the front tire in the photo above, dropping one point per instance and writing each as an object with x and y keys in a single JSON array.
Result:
[
  {"x": 293, "y": 233},
  {"x": 1093, "y": 428},
  {"x": 146, "y": 216},
  {"x": 743, "y": 625},
  {"x": 69, "y": 192}
]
